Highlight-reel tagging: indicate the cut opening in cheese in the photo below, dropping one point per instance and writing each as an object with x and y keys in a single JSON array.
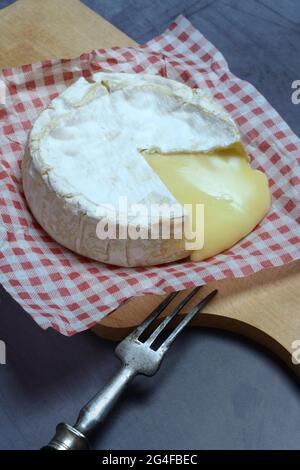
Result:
[{"x": 235, "y": 196}]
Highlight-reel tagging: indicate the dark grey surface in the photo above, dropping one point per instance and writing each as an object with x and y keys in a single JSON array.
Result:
[{"x": 214, "y": 390}]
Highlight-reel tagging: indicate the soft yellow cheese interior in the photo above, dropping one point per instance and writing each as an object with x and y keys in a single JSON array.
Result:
[{"x": 235, "y": 196}]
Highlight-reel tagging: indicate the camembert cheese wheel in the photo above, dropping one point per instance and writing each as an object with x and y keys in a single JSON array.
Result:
[{"x": 117, "y": 168}]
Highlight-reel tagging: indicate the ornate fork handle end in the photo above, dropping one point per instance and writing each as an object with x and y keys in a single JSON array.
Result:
[{"x": 67, "y": 438}]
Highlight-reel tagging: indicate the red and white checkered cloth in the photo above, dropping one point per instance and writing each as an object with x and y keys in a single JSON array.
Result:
[{"x": 70, "y": 293}]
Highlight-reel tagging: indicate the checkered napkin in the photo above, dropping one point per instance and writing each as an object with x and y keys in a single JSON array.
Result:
[{"x": 70, "y": 293}]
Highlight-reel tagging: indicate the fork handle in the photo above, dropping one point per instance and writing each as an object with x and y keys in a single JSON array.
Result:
[
  {"x": 96, "y": 410},
  {"x": 92, "y": 414}
]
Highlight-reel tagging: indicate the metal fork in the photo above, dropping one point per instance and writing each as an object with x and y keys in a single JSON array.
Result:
[{"x": 138, "y": 357}]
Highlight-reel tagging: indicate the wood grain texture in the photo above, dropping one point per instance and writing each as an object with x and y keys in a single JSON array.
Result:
[
  {"x": 33, "y": 30},
  {"x": 264, "y": 306}
]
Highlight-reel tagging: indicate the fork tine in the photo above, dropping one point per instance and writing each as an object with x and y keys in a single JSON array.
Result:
[
  {"x": 154, "y": 314},
  {"x": 170, "y": 317},
  {"x": 171, "y": 338}
]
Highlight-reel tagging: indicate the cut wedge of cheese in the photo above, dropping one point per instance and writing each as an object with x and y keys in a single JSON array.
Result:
[{"x": 105, "y": 153}]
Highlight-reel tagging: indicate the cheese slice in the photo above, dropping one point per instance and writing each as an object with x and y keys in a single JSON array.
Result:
[{"x": 147, "y": 141}]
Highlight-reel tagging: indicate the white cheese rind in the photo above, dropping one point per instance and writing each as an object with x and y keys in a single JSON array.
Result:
[{"x": 84, "y": 152}]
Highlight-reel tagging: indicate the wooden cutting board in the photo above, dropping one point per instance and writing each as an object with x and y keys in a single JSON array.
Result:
[{"x": 264, "y": 306}]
